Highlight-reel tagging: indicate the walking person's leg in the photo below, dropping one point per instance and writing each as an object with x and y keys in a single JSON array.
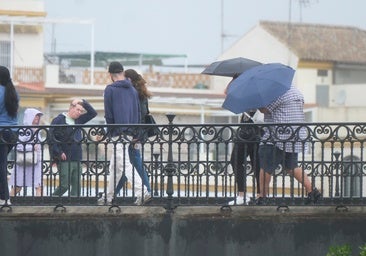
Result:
[
  {"x": 121, "y": 183},
  {"x": 264, "y": 180},
  {"x": 254, "y": 160},
  {"x": 302, "y": 178},
  {"x": 120, "y": 166},
  {"x": 133, "y": 177},
  {"x": 116, "y": 170},
  {"x": 136, "y": 161},
  {"x": 5, "y": 148},
  {"x": 313, "y": 194},
  {"x": 4, "y": 189},
  {"x": 15, "y": 190},
  {"x": 237, "y": 161},
  {"x": 270, "y": 158}
]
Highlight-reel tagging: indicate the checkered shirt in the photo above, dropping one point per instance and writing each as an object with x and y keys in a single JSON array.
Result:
[
  {"x": 289, "y": 108},
  {"x": 267, "y": 118}
]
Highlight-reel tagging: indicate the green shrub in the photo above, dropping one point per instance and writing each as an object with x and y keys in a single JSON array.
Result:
[
  {"x": 345, "y": 250},
  {"x": 340, "y": 250},
  {"x": 363, "y": 250}
]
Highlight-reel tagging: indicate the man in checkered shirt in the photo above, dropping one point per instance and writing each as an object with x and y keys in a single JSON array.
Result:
[{"x": 281, "y": 144}]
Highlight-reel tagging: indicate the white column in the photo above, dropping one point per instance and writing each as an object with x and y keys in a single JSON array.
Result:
[
  {"x": 92, "y": 55},
  {"x": 11, "y": 49}
]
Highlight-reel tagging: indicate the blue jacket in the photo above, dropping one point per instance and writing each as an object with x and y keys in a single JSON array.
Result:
[
  {"x": 121, "y": 105},
  {"x": 68, "y": 140},
  {"x": 5, "y": 119}
]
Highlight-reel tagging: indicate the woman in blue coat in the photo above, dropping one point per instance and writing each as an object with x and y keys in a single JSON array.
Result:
[{"x": 9, "y": 104}]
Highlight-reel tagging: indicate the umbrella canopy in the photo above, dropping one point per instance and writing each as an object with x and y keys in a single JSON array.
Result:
[
  {"x": 230, "y": 67},
  {"x": 258, "y": 87}
]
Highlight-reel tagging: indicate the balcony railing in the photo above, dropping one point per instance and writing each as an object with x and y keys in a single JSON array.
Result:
[
  {"x": 32, "y": 75},
  {"x": 189, "y": 164}
]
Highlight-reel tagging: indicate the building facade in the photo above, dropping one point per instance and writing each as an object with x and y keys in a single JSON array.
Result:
[{"x": 330, "y": 64}]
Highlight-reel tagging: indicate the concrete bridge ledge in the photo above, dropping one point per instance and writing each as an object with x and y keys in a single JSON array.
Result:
[
  {"x": 181, "y": 211},
  {"x": 185, "y": 231}
]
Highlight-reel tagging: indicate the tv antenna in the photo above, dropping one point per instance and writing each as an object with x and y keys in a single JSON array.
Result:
[{"x": 223, "y": 34}]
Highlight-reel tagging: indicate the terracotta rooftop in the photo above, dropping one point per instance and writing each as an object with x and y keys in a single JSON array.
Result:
[{"x": 315, "y": 42}]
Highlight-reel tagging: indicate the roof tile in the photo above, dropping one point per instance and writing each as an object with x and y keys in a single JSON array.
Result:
[{"x": 321, "y": 42}]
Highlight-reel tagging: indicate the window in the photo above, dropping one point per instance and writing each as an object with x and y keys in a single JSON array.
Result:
[
  {"x": 5, "y": 53},
  {"x": 322, "y": 95},
  {"x": 322, "y": 72}
]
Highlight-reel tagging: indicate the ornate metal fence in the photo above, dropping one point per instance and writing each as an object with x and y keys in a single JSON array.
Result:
[{"x": 189, "y": 164}]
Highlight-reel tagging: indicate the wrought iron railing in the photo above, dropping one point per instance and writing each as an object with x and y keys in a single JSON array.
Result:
[{"x": 189, "y": 164}]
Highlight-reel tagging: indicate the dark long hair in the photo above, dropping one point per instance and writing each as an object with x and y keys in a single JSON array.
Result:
[
  {"x": 11, "y": 97},
  {"x": 138, "y": 82}
]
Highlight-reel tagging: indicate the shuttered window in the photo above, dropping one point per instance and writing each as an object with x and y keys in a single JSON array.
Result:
[{"x": 5, "y": 53}]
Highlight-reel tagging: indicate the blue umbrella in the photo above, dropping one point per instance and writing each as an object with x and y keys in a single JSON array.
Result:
[{"x": 258, "y": 87}]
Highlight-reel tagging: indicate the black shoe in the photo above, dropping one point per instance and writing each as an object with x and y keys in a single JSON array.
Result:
[
  {"x": 252, "y": 201},
  {"x": 261, "y": 201},
  {"x": 313, "y": 196}
]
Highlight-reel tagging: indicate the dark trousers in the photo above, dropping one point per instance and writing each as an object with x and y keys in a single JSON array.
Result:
[
  {"x": 5, "y": 147},
  {"x": 238, "y": 161}
]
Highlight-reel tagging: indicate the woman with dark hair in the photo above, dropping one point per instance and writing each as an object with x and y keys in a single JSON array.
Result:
[
  {"x": 242, "y": 149},
  {"x": 134, "y": 148},
  {"x": 9, "y": 104}
]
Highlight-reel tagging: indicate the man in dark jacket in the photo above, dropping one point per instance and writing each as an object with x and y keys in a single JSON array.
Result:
[
  {"x": 121, "y": 106},
  {"x": 66, "y": 145}
]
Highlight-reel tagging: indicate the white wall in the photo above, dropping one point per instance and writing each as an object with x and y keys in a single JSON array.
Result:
[
  {"x": 342, "y": 114},
  {"x": 349, "y": 95},
  {"x": 28, "y": 50},
  {"x": 261, "y": 46},
  {"x": 258, "y": 45},
  {"x": 22, "y": 5},
  {"x": 307, "y": 79},
  {"x": 28, "y": 47}
]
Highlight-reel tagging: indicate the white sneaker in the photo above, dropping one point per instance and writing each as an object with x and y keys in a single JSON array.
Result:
[
  {"x": 239, "y": 200},
  {"x": 5, "y": 202},
  {"x": 103, "y": 201},
  {"x": 147, "y": 197},
  {"x": 140, "y": 201}
]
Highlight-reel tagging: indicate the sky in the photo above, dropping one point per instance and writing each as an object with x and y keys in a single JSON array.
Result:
[{"x": 191, "y": 27}]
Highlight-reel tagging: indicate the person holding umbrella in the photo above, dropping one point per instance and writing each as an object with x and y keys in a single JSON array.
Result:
[
  {"x": 242, "y": 150},
  {"x": 288, "y": 108},
  {"x": 268, "y": 87},
  {"x": 246, "y": 145}
]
